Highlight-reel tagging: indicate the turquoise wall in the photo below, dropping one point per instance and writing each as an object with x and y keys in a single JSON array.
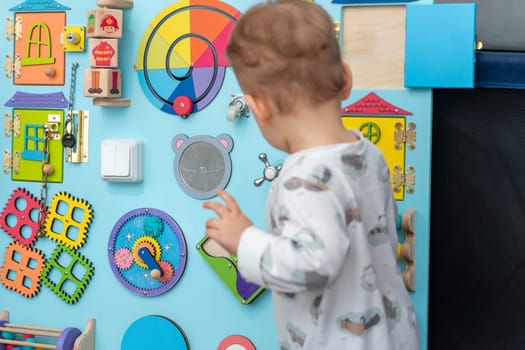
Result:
[{"x": 199, "y": 303}]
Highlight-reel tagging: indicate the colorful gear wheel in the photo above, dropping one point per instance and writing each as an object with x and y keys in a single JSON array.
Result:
[
  {"x": 54, "y": 268},
  {"x": 74, "y": 214},
  {"x": 123, "y": 258},
  {"x": 23, "y": 217},
  {"x": 150, "y": 244},
  {"x": 167, "y": 271},
  {"x": 159, "y": 233},
  {"x": 22, "y": 272},
  {"x": 153, "y": 226}
]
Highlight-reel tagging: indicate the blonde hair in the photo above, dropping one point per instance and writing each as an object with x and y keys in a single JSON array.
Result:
[{"x": 287, "y": 50}]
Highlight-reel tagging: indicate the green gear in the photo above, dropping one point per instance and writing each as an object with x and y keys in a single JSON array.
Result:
[{"x": 66, "y": 273}]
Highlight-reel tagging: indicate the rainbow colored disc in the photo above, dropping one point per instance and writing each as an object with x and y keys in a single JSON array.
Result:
[{"x": 182, "y": 54}]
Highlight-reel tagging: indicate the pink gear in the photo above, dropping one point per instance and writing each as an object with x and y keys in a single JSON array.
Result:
[
  {"x": 167, "y": 271},
  {"x": 123, "y": 258}
]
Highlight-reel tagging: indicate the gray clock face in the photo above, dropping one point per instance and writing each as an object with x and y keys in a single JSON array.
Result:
[{"x": 202, "y": 164}]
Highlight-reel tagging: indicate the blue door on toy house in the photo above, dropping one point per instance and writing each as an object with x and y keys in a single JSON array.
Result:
[{"x": 404, "y": 51}]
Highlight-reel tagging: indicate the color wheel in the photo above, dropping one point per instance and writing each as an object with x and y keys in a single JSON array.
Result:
[{"x": 181, "y": 58}]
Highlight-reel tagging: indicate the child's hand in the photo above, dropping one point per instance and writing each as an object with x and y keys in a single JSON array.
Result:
[{"x": 229, "y": 226}]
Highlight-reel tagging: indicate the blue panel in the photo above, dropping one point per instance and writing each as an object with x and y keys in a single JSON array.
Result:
[
  {"x": 164, "y": 334},
  {"x": 369, "y": 1},
  {"x": 498, "y": 69},
  {"x": 440, "y": 41}
]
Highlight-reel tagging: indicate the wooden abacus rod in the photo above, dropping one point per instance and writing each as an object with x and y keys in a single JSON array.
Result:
[
  {"x": 26, "y": 343},
  {"x": 48, "y": 329},
  {"x": 30, "y": 331}
]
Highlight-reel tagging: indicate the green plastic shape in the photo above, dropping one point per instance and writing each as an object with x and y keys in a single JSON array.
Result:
[
  {"x": 39, "y": 38},
  {"x": 225, "y": 266},
  {"x": 77, "y": 272},
  {"x": 30, "y": 142}
]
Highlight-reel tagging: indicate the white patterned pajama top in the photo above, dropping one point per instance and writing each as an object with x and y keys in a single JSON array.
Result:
[{"x": 329, "y": 255}]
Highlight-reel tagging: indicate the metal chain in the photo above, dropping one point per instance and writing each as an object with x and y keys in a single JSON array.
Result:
[
  {"x": 69, "y": 116},
  {"x": 47, "y": 169},
  {"x": 74, "y": 67}
]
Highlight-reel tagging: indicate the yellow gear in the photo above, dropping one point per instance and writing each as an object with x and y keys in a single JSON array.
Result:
[{"x": 152, "y": 245}]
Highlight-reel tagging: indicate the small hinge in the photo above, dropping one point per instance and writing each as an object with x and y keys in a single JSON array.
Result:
[
  {"x": 12, "y": 125},
  {"x": 337, "y": 29},
  {"x": 401, "y": 180},
  {"x": 13, "y": 66},
  {"x": 13, "y": 28},
  {"x": 405, "y": 136},
  {"x": 11, "y": 162}
]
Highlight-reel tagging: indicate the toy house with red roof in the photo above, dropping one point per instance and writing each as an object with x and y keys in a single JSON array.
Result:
[{"x": 384, "y": 124}]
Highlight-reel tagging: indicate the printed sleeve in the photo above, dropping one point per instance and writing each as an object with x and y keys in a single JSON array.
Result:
[
  {"x": 311, "y": 247},
  {"x": 252, "y": 246}
]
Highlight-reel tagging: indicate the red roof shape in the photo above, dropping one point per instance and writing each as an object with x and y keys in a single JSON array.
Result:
[{"x": 372, "y": 104}]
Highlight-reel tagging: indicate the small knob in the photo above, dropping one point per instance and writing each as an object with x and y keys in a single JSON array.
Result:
[
  {"x": 50, "y": 72},
  {"x": 183, "y": 106},
  {"x": 270, "y": 173}
]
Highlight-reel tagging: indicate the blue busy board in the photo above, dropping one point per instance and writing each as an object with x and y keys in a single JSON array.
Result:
[{"x": 135, "y": 238}]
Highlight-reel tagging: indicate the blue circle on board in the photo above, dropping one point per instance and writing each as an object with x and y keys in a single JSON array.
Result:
[{"x": 154, "y": 332}]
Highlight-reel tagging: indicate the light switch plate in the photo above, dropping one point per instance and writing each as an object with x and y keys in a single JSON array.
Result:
[{"x": 122, "y": 160}]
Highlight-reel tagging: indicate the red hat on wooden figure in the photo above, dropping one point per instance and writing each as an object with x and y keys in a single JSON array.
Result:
[{"x": 109, "y": 21}]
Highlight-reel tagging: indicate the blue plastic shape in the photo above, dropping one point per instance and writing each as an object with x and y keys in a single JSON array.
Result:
[
  {"x": 154, "y": 332},
  {"x": 440, "y": 45},
  {"x": 370, "y": 1},
  {"x": 39, "y": 6}
]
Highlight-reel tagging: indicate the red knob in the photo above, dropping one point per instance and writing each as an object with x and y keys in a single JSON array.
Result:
[{"x": 183, "y": 106}]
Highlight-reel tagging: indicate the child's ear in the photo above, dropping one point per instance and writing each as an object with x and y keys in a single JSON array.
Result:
[
  {"x": 348, "y": 86},
  {"x": 260, "y": 108}
]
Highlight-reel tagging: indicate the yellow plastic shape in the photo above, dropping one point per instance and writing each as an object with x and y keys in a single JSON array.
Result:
[
  {"x": 380, "y": 131},
  {"x": 68, "y": 220}
]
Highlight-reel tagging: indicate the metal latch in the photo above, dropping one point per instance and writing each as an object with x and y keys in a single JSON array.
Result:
[
  {"x": 80, "y": 128},
  {"x": 53, "y": 126}
]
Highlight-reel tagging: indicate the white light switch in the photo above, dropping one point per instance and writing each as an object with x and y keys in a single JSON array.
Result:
[{"x": 121, "y": 160}]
